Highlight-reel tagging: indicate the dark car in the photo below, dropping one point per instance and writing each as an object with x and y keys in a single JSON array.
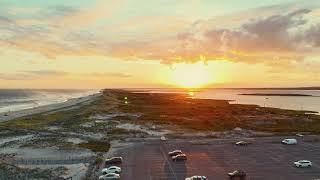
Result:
[
  {"x": 113, "y": 160},
  {"x": 179, "y": 157},
  {"x": 175, "y": 152},
  {"x": 237, "y": 173}
]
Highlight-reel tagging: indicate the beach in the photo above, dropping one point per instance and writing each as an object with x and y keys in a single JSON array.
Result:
[{"x": 46, "y": 108}]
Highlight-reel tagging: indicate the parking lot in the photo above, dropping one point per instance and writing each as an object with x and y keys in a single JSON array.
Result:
[{"x": 264, "y": 159}]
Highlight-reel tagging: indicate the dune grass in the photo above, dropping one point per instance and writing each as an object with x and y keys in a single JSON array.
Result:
[{"x": 96, "y": 146}]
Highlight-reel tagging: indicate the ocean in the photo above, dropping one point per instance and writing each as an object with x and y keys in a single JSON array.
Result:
[
  {"x": 310, "y": 103},
  {"x": 19, "y": 99}
]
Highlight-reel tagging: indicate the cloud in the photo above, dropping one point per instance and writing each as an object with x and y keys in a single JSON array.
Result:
[
  {"x": 110, "y": 74},
  {"x": 5, "y": 20},
  {"x": 80, "y": 17},
  {"x": 46, "y": 73},
  {"x": 38, "y": 74},
  {"x": 249, "y": 38},
  {"x": 258, "y": 40},
  {"x": 17, "y": 76},
  {"x": 312, "y": 36},
  {"x": 30, "y": 75}
]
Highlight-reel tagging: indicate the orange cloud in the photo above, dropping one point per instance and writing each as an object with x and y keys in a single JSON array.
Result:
[{"x": 261, "y": 39}]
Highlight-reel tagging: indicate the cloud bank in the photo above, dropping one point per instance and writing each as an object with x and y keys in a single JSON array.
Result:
[{"x": 277, "y": 37}]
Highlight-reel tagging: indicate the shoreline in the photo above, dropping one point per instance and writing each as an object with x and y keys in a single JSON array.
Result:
[
  {"x": 276, "y": 94},
  {"x": 5, "y": 116}
]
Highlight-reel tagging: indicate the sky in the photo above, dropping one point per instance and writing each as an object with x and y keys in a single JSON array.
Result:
[{"x": 90, "y": 44}]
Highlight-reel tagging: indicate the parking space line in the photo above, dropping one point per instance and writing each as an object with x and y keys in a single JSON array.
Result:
[{"x": 166, "y": 160}]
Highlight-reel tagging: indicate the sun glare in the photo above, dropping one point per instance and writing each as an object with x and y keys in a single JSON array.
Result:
[{"x": 190, "y": 75}]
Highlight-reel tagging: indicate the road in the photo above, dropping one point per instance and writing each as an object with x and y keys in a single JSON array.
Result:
[{"x": 265, "y": 159}]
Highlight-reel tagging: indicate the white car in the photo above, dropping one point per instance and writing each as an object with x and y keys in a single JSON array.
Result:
[
  {"x": 109, "y": 176},
  {"x": 175, "y": 152},
  {"x": 196, "y": 178},
  {"x": 299, "y": 135},
  {"x": 242, "y": 143},
  {"x": 111, "y": 169},
  {"x": 290, "y": 141},
  {"x": 163, "y": 138},
  {"x": 303, "y": 163}
]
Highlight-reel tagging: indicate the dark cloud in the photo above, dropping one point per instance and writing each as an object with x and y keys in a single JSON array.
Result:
[
  {"x": 272, "y": 33},
  {"x": 270, "y": 38},
  {"x": 312, "y": 36}
]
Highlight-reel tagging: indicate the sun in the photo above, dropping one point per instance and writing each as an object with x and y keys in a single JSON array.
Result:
[{"x": 194, "y": 75}]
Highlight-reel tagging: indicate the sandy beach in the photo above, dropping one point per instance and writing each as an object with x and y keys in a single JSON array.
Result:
[{"x": 51, "y": 107}]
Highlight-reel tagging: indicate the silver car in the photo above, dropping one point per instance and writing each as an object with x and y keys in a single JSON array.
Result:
[
  {"x": 196, "y": 178},
  {"x": 109, "y": 176}
]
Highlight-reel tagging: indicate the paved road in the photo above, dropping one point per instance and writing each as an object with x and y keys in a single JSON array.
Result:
[{"x": 265, "y": 159}]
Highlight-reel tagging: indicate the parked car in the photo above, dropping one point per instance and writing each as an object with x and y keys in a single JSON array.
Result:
[
  {"x": 175, "y": 152},
  {"x": 163, "y": 138},
  {"x": 299, "y": 135},
  {"x": 111, "y": 169},
  {"x": 113, "y": 160},
  {"x": 179, "y": 157},
  {"x": 109, "y": 176},
  {"x": 196, "y": 178},
  {"x": 303, "y": 163},
  {"x": 289, "y": 141},
  {"x": 237, "y": 173},
  {"x": 242, "y": 143}
]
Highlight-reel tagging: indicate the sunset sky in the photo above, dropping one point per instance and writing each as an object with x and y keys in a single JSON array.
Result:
[{"x": 165, "y": 43}]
